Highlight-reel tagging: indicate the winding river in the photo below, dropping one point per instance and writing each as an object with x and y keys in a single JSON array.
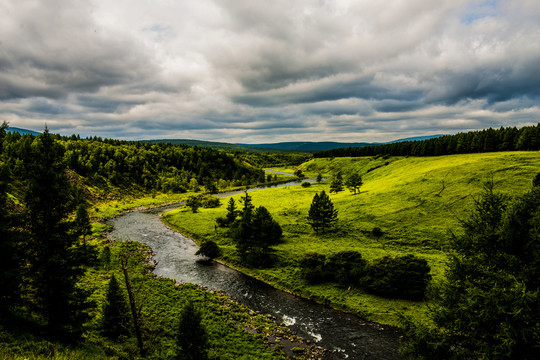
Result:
[{"x": 345, "y": 335}]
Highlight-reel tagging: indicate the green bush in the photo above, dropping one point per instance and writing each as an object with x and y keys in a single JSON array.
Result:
[
  {"x": 377, "y": 232},
  {"x": 312, "y": 267},
  {"x": 210, "y": 201},
  {"x": 306, "y": 184},
  {"x": 403, "y": 277},
  {"x": 209, "y": 249},
  {"x": 346, "y": 267}
]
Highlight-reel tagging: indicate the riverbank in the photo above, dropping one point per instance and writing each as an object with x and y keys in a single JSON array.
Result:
[
  {"x": 345, "y": 334},
  {"x": 262, "y": 328}
]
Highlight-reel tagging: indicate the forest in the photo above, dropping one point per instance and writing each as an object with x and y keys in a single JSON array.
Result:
[
  {"x": 423, "y": 243},
  {"x": 487, "y": 140}
]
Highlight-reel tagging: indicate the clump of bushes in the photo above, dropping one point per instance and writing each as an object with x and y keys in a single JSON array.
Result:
[
  {"x": 204, "y": 200},
  {"x": 312, "y": 267},
  {"x": 209, "y": 201},
  {"x": 344, "y": 267},
  {"x": 402, "y": 277},
  {"x": 306, "y": 184}
]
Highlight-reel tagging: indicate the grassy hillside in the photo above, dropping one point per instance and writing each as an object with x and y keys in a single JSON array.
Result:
[{"x": 417, "y": 202}]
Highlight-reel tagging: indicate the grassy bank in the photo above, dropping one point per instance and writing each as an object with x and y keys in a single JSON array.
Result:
[
  {"x": 416, "y": 202},
  {"x": 234, "y": 331}
]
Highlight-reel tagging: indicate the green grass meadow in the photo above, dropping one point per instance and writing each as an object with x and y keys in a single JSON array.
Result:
[{"x": 417, "y": 203}]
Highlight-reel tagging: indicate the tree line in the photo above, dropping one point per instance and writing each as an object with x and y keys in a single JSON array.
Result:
[
  {"x": 149, "y": 167},
  {"x": 488, "y": 140},
  {"x": 44, "y": 223}
]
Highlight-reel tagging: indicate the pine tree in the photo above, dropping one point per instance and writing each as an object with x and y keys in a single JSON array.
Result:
[
  {"x": 10, "y": 269},
  {"x": 116, "y": 318},
  {"x": 232, "y": 213},
  {"x": 55, "y": 255},
  {"x": 354, "y": 181},
  {"x": 337, "y": 184},
  {"x": 488, "y": 307},
  {"x": 322, "y": 214},
  {"x": 192, "y": 338}
]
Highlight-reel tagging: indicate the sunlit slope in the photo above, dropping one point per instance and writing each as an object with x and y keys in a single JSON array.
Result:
[{"x": 416, "y": 202}]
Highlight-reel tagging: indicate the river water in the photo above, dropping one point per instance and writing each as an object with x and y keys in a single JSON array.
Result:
[{"x": 345, "y": 335}]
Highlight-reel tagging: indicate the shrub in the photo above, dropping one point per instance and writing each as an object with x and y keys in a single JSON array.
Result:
[
  {"x": 404, "y": 276},
  {"x": 312, "y": 267},
  {"x": 346, "y": 267},
  {"x": 306, "y": 184},
  {"x": 377, "y": 232},
  {"x": 222, "y": 221},
  {"x": 210, "y": 201},
  {"x": 209, "y": 249}
]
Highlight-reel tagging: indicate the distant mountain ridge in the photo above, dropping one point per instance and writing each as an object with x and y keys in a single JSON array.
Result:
[
  {"x": 298, "y": 146},
  {"x": 22, "y": 131}
]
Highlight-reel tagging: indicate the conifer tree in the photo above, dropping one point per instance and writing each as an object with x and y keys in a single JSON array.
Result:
[
  {"x": 10, "y": 270},
  {"x": 116, "y": 318},
  {"x": 192, "y": 338},
  {"x": 55, "y": 255},
  {"x": 337, "y": 184},
  {"x": 322, "y": 214},
  {"x": 488, "y": 307},
  {"x": 232, "y": 213},
  {"x": 354, "y": 182}
]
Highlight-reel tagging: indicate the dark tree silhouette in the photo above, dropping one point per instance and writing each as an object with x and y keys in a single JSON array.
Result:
[
  {"x": 10, "y": 264},
  {"x": 192, "y": 338},
  {"x": 354, "y": 182},
  {"x": 337, "y": 184},
  {"x": 322, "y": 214},
  {"x": 489, "y": 305},
  {"x": 55, "y": 253},
  {"x": 209, "y": 249},
  {"x": 116, "y": 318}
]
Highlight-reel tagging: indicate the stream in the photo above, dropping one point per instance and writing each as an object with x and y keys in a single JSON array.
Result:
[{"x": 346, "y": 335}]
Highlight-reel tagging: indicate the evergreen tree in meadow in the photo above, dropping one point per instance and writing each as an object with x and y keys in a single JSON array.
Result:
[
  {"x": 232, "y": 213},
  {"x": 243, "y": 230},
  {"x": 55, "y": 253},
  {"x": 116, "y": 317},
  {"x": 322, "y": 214},
  {"x": 488, "y": 307},
  {"x": 194, "y": 202},
  {"x": 337, "y": 184},
  {"x": 192, "y": 339},
  {"x": 354, "y": 182},
  {"x": 255, "y": 232}
]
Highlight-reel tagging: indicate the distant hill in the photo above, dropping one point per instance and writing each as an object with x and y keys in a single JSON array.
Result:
[
  {"x": 201, "y": 143},
  {"x": 298, "y": 146},
  {"x": 22, "y": 131},
  {"x": 306, "y": 146},
  {"x": 415, "y": 138}
]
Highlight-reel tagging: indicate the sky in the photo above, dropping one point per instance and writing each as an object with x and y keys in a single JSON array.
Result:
[{"x": 248, "y": 71}]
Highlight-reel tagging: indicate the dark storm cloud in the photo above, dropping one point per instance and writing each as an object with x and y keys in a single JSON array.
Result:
[
  {"x": 246, "y": 71},
  {"x": 53, "y": 49}
]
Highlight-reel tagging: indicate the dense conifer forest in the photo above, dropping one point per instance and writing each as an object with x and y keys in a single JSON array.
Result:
[{"x": 488, "y": 140}]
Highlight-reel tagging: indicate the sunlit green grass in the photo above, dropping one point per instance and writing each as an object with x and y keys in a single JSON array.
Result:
[{"x": 417, "y": 202}]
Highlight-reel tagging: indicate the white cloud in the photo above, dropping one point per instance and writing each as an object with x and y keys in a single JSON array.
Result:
[{"x": 250, "y": 71}]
